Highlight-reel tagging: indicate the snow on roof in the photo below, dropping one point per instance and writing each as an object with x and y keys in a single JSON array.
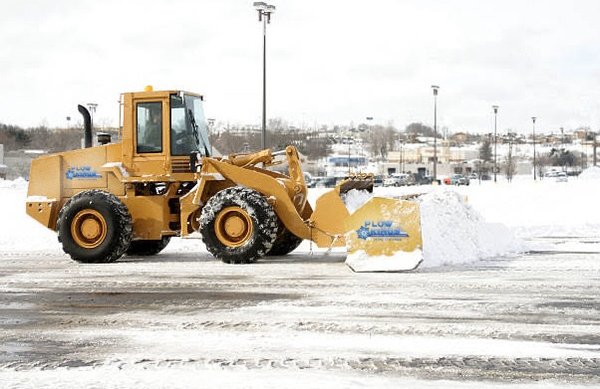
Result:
[{"x": 34, "y": 151}]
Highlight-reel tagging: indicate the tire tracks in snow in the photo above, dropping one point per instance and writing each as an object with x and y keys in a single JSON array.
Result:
[{"x": 448, "y": 367}]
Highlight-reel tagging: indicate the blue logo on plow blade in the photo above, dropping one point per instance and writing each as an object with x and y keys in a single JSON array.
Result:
[
  {"x": 82, "y": 173},
  {"x": 383, "y": 229}
]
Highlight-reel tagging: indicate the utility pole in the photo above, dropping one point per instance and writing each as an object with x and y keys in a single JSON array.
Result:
[
  {"x": 534, "y": 164},
  {"x": 495, "y": 108},
  {"x": 594, "y": 145}
]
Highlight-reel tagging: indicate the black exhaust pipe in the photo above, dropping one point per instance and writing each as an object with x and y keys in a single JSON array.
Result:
[{"x": 87, "y": 126}]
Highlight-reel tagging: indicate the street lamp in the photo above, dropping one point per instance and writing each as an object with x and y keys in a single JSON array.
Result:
[
  {"x": 534, "y": 173},
  {"x": 371, "y": 140},
  {"x": 401, "y": 159},
  {"x": 264, "y": 15},
  {"x": 435, "y": 93},
  {"x": 495, "y": 108}
]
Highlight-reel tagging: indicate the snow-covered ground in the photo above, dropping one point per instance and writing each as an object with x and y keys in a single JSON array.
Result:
[
  {"x": 182, "y": 319},
  {"x": 529, "y": 209}
]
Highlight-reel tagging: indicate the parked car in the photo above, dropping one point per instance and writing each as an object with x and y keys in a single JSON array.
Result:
[
  {"x": 423, "y": 180},
  {"x": 401, "y": 179},
  {"x": 324, "y": 182},
  {"x": 473, "y": 176},
  {"x": 459, "y": 179},
  {"x": 447, "y": 180},
  {"x": 309, "y": 180},
  {"x": 485, "y": 177},
  {"x": 561, "y": 177},
  {"x": 391, "y": 181},
  {"x": 378, "y": 181}
]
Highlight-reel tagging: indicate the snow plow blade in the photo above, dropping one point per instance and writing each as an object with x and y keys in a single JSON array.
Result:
[{"x": 384, "y": 235}]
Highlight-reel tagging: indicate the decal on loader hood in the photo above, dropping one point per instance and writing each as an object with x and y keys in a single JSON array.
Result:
[{"x": 82, "y": 173}]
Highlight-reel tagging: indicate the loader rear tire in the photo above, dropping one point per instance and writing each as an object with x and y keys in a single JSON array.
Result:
[
  {"x": 148, "y": 247},
  {"x": 238, "y": 225},
  {"x": 285, "y": 243},
  {"x": 94, "y": 227}
]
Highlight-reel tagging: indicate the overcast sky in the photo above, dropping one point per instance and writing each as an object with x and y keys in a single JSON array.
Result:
[{"x": 334, "y": 61}]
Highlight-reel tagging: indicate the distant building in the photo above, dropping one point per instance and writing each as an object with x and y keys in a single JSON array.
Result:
[{"x": 460, "y": 138}]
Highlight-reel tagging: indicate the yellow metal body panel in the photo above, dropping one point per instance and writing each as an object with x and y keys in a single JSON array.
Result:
[
  {"x": 44, "y": 211},
  {"x": 150, "y": 215},
  {"x": 330, "y": 216},
  {"x": 383, "y": 227},
  {"x": 80, "y": 169},
  {"x": 45, "y": 178}
]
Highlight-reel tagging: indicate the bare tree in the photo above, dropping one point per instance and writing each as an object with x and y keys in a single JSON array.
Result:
[
  {"x": 510, "y": 164},
  {"x": 485, "y": 151}
]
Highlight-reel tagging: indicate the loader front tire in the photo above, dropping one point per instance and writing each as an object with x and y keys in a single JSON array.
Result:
[
  {"x": 238, "y": 225},
  {"x": 148, "y": 247},
  {"x": 285, "y": 243},
  {"x": 94, "y": 227}
]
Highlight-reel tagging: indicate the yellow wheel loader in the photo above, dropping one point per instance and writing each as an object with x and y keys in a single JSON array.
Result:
[{"x": 160, "y": 181}]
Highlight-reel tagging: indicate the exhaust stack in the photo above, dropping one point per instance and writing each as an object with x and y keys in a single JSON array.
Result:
[{"x": 87, "y": 126}]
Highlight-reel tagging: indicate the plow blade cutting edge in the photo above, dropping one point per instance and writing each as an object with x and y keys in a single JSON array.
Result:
[{"x": 384, "y": 235}]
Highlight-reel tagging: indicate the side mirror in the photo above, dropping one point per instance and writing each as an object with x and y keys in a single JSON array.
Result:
[{"x": 195, "y": 161}]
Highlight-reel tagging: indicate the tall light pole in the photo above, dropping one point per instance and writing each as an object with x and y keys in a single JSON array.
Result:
[
  {"x": 435, "y": 93},
  {"x": 495, "y": 108},
  {"x": 264, "y": 15},
  {"x": 534, "y": 166},
  {"x": 401, "y": 164},
  {"x": 371, "y": 140}
]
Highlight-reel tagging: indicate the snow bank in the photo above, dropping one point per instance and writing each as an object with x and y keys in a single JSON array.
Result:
[
  {"x": 19, "y": 183},
  {"x": 453, "y": 232},
  {"x": 591, "y": 173},
  {"x": 539, "y": 208},
  {"x": 19, "y": 232}
]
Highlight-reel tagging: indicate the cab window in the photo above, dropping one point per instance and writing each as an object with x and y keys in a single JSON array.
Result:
[
  {"x": 149, "y": 127},
  {"x": 182, "y": 136}
]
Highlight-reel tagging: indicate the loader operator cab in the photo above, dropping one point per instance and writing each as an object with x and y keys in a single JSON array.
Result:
[{"x": 167, "y": 126}]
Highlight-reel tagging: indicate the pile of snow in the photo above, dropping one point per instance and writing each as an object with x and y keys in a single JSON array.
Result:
[
  {"x": 591, "y": 173},
  {"x": 354, "y": 199},
  {"x": 454, "y": 233}
]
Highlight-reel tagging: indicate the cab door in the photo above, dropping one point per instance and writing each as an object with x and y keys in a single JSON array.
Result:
[{"x": 150, "y": 137}]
